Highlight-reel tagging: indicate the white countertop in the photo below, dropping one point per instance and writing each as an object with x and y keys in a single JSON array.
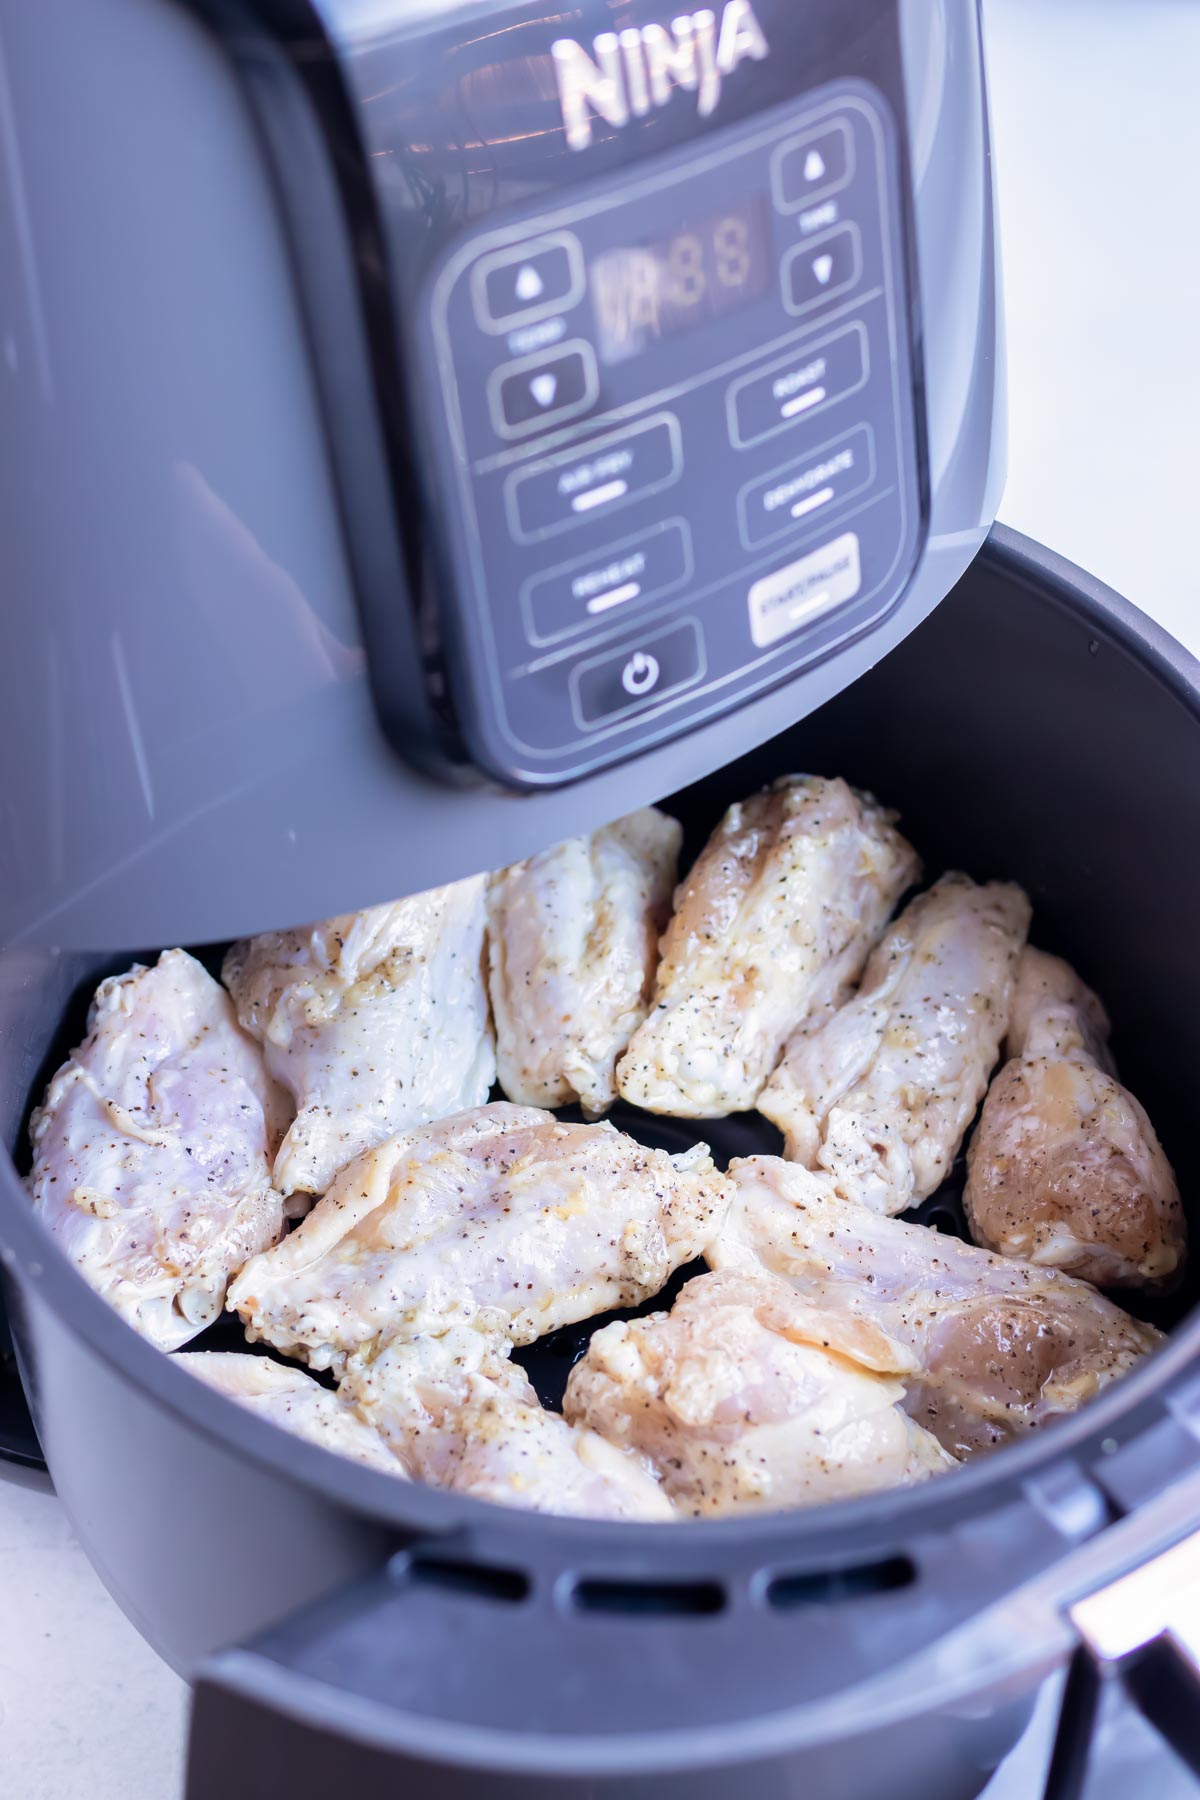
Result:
[{"x": 1097, "y": 133}]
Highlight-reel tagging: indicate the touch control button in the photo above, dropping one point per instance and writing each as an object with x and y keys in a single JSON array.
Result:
[
  {"x": 605, "y": 687},
  {"x": 817, "y": 271},
  {"x": 812, "y": 377},
  {"x": 564, "y": 490},
  {"x": 810, "y": 168},
  {"x": 640, "y": 674},
  {"x": 781, "y": 501},
  {"x": 804, "y": 590},
  {"x": 532, "y": 281},
  {"x": 544, "y": 389},
  {"x": 626, "y": 574}
]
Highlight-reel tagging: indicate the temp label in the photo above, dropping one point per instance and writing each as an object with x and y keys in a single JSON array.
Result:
[{"x": 805, "y": 590}]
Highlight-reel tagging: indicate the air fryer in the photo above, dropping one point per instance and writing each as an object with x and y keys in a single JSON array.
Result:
[{"x": 335, "y": 413}]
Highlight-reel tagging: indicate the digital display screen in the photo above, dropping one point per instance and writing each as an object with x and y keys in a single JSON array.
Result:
[{"x": 644, "y": 293}]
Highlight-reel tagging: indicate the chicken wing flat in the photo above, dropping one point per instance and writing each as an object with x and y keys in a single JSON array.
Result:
[
  {"x": 504, "y": 1211},
  {"x": 573, "y": 946},
  {"x": 293, "y": 1400},
  {"x": 745, "y": 1396},
  {"x": 152, "y": 1148},
  {"x": 882, "y": 1091},
  {"x": 463, "y": 1417},
  {"x": 1064, "y": 1168},
  {"x": 1002, "y": 1346},
  {"x": 773, "y": 923},
  {"x": 374, "y": 1021}
]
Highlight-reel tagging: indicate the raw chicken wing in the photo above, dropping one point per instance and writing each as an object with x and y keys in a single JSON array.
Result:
[
  {"x": 744, "y": 1396},
  {"x": 374, "y": 1021},
  {"x": 152, "y": 1148},
  {"x": 505, "y": 1210},
  {"x": 293, "y": 1400},
  {"x": 773, "y": 923},
  {"x": 1001, "y": 1346},
  {"x": 572, "y": 946},
  {"x": 881, "y": 1092},
  {"x": 462, "y": 1416},
  {"x": 1064, "y": 1168}
]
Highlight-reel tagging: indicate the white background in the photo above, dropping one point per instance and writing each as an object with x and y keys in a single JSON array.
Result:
[{"x": 1097, "y": 130}]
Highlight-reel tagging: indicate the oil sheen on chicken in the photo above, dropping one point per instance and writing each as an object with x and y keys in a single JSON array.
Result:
[
  {"x": 152, "y": 1148},
  {"x": 772, "y": 924},
  {"x": 1001, "y": 1346},
  {"x": 373, "y": 1021},
  {"x": 1064, "y": 1168},
  {"x": 463, "y": 1417},
  {"x": 881, "y": 1092},
  {"x": 293, "y": 1400},
  {"x": 573, "y": 946},
  {"x": 504, "y": 1211},
  {"x": 745, "y": 1396}
]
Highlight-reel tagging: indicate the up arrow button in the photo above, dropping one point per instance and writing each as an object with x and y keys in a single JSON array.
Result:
[{"x": 529, "y": 284}]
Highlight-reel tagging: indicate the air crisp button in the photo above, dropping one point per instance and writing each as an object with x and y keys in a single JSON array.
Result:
[{"x": 593, "y": 479}]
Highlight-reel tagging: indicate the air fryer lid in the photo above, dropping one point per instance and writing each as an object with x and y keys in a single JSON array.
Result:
[{"x": 1037, "y": 728}]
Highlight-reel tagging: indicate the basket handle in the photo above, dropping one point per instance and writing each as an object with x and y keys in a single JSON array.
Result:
[{"x": 1144, "y": 1630}]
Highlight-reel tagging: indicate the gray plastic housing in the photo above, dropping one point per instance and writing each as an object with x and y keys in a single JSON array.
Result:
[{"x": 190, "y": 745}]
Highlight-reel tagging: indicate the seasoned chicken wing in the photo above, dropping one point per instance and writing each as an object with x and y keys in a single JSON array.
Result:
[
  {"x": 374, "y": 1021},
  {"x": 464, "y": 1417},
  {"x": 292, "y": 1399},
  {"x": 744, "y": 1396},
  {"x": 504, "y": 1210},
  {"x": 572, "y": 947},
  {"x": 1002, "y": 1346},
  {"x": 152, "y": 1148},
  {"x": 1064, "y": 1168},
  {"x": 773, "y": 923},
  {"x": 881, "y": 1092}
]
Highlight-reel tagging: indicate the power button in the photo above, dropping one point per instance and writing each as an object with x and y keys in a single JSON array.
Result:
[
  {"x": 640, "y": 673},
  {"x": 605, "y": 687}
]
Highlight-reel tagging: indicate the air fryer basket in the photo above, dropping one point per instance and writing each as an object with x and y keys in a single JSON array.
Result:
[{"x": 1036, "y": 727}]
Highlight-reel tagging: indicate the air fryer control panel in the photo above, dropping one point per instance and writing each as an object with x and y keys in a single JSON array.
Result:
[{"x": 674, "y": 425}]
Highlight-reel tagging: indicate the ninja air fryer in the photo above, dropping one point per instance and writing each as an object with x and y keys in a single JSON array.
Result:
[{"x": 365, "y": 525}]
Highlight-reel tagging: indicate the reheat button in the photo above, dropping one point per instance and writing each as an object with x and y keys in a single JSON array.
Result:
[
  {"x": 627, "y": 575},
  {"x": 576, "y": 485}
]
